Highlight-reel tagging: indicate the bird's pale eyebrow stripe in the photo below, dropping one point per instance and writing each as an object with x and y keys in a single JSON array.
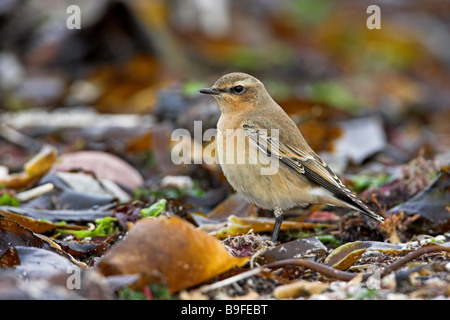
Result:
[{"x": 244, "y": 82}]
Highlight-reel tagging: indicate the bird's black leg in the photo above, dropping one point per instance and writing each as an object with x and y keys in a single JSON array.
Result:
[{"x": 279, "y": 216}]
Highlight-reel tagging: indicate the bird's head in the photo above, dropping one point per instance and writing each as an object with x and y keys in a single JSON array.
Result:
[{"x": 236, "y": 91}]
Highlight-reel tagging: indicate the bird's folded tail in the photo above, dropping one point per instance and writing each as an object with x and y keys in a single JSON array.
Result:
[{"x": 342, "y": 193}]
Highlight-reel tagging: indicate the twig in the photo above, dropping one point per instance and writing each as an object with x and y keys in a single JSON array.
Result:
[
  {"x": 324, "y": 269},
  {"x": 413, "y": 255},
  {"x": 230, "y": 280},
  {"x": 35, "y": 192},
  {"x": 19, "y": 138},
  {"x": 381, "y": 210}
]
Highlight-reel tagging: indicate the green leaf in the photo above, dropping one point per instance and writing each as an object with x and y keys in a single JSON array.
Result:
[
  {"x": 256, "y": 58},
  {"x": 362, "y": 182},
  {"x": 129, "y": 294},
  {"x": 309, "y": 12},
  {"x": 160, "y": 292},
  {"x": 104, "y": 227},
  {"x": 155, "y": 209},
  {"x": 190, "y": 88},
  {"x": 157, "y": 291},
  {"x": 329, "y": 239},
  {"x": 334, "y": 94},
  {"x": 8, "y": 200}
]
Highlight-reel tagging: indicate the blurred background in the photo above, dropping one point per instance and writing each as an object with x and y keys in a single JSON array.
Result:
[
  {"x": 91, "y": 91},
  {"x": 148, "y": 58}
]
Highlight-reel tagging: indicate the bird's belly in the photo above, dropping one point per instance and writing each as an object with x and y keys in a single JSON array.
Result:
[
  {"x": 265, "y": 191},
  {"x": 262, "y": 180},
  {"x": 266, "y": 184}
]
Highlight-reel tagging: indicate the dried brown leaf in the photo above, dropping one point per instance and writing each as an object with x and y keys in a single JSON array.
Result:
[
  {"x": 236, "y": 226},
  {"x": 34, "y": 169},
  {"x": 234, "y": 205},
  {"x": 104, "y": 165},
  {"x": 293, "y": 249},
  {"x": 431, "y": 205},
  {"x": 169, "y": 250},
  {"x": 35, "y": 225},
  {"x": 345, "y": 255},
  {"x": 301, "y": 288}
]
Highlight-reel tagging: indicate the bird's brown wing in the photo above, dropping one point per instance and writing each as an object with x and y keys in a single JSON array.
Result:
[{"x": 308, "y": 164}]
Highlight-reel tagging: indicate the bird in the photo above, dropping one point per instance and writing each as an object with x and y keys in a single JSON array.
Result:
[{"x": 249, "y": 114}]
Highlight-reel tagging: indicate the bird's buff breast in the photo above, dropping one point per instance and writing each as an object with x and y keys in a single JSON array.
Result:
[{"x": 258, "y": 178}]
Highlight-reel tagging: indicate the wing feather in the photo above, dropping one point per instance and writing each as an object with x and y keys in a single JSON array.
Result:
[{"x": 308, "y": 164}]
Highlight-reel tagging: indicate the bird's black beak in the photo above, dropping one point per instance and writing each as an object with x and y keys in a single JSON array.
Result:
[{"x": 211, "y": 90}]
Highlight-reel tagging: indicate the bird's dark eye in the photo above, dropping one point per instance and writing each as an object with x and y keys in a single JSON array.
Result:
[{"x": 238, "y": 89}]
